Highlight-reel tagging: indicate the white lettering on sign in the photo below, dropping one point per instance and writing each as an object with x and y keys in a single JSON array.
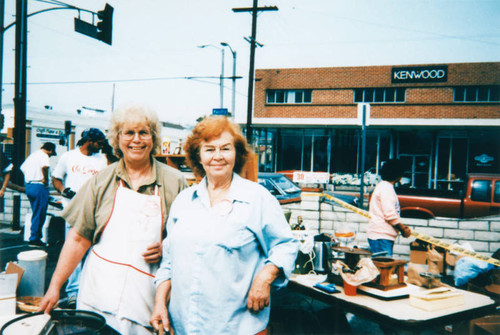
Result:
[
  {"x": 425, "y": 74},
  {"x": 311, "y": 177},
  {"x": 419, "y": 74},
  {"x": 48, "y": 132}
]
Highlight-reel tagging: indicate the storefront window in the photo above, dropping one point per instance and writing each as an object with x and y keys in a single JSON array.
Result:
[
  {"x": 377, "y": 145},
  {"x": 484, "y": 152},
  {"x": 290, "y": 151},
  {"x": 265, "y": 139},
  {"x": 451, "y": 160},
  {"x": 321, "y": 149},
  {"x": 414, "y": 142},
  {"x": 345, "y": 151},
  {"x": 307, "y": 153},
  {"x": 416, "y": 170}
]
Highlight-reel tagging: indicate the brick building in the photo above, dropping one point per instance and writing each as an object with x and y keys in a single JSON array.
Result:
[{"x": 443, "y": 120}]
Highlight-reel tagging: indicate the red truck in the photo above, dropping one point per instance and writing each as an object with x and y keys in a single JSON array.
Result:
[{"x": 479, "y": 197}]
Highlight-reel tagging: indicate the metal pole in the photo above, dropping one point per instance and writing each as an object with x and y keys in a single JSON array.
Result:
[
  {"x": 113, "y": 99},
  {"x": 233, "y": 100},
  {"x": 16, "y": 212},
  {"x": 20, "y": 88},
  {"x": 233, "y": 103},
  {"x": 222, "y": 80},
  {"x": 363, "y": 153}
]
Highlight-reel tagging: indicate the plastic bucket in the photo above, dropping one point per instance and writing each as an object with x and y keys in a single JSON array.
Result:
[
  {"x": 33, "y": 280},
  {"x": 349, "y": 289}
]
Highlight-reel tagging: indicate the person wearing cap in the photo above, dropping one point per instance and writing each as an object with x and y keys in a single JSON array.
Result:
[
  {"x": 76, "y": 166},
  {"x": 73, "y": 169},
  {"x": 36, "y": 176}
]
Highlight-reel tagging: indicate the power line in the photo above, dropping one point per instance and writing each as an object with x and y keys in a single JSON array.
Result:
[{"x": 195, "y": 78}]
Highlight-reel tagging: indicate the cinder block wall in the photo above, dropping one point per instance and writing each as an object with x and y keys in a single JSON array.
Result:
[
  {"x": 6, "y": 215},
  {"x": 319, "y": 217},
  {"x": 482, "y": 234}
]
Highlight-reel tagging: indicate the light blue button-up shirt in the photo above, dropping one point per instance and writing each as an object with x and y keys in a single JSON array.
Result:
[{"x": 211, "y": 255}]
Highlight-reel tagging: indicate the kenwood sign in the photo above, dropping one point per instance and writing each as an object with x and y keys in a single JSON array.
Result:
[{"x": 420, "y": 74}]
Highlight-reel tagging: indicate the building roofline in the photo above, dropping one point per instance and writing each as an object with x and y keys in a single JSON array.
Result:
[{"x": 378, "y": 66}]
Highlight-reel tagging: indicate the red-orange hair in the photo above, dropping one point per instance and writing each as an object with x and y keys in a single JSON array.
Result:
[{"x": 208, "y": 129}]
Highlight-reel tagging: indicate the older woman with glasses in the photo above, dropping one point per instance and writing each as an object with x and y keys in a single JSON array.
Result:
[
  {"x": 228, "y": 242},
  {"x": 120, "y": 214}
]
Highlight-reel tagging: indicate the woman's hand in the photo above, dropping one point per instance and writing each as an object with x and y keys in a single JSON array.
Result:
[
  {"x": 73, "y": 250},
  {"x": 49, "y": 300},
  {"x": 153, "y": 253},
  {"x": 159, "y": 318},
  {"x": 404, "y": 230},
  {"x": 258, "y": 296}
]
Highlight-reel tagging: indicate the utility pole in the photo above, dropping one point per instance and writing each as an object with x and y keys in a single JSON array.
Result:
[
  {"x": 20, "y": 88},
  {"x": 254, "y": 10}
]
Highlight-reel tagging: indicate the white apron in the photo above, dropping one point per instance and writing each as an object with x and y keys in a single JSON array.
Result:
[{"x": 115, "y": 278}]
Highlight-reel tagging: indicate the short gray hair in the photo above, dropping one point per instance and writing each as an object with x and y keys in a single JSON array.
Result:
[{"x": 138, "y": 114}]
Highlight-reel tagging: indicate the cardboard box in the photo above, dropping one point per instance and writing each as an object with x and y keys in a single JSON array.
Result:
[
  {"x": 418, "y": 254},
  {"x": 14, "y": 268},
  {"x": 8, "y": 285},
  {"x": 489, "y": 324},
  {"x": 437, "y": 299}
]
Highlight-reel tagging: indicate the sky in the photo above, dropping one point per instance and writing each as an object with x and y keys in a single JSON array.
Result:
[{"x": 155, "y": 59}]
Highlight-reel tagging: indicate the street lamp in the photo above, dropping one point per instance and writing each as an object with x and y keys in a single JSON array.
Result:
[
  {"x": 221, "y": 72},
  {"x": 234, "y": 75}
]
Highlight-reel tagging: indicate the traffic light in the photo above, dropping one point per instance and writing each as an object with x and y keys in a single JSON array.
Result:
[
  {"x": 67, "y": 127},
  {"x": 105, "y": 24}
]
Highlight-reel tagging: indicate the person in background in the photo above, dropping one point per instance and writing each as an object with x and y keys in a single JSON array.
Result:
[
  {"x": 121, "y": 213},
  {"x": 107, "y": 150},
  {"x": 73, "y": 169},
  {"x": 385, "y": 222},
  {"x": 227, "y": 242},
  {"x": 36, "y": 176},
  {"x": 76, "y": 166}
]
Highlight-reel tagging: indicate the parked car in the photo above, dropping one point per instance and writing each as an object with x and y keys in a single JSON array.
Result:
[
  {"x": 285, "y": 190},
  {"x": 479, "y": 197},
  {"x": 348, "y": 198}
]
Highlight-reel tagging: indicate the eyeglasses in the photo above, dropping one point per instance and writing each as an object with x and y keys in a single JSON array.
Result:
[{"x": 130, "y": 134}]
